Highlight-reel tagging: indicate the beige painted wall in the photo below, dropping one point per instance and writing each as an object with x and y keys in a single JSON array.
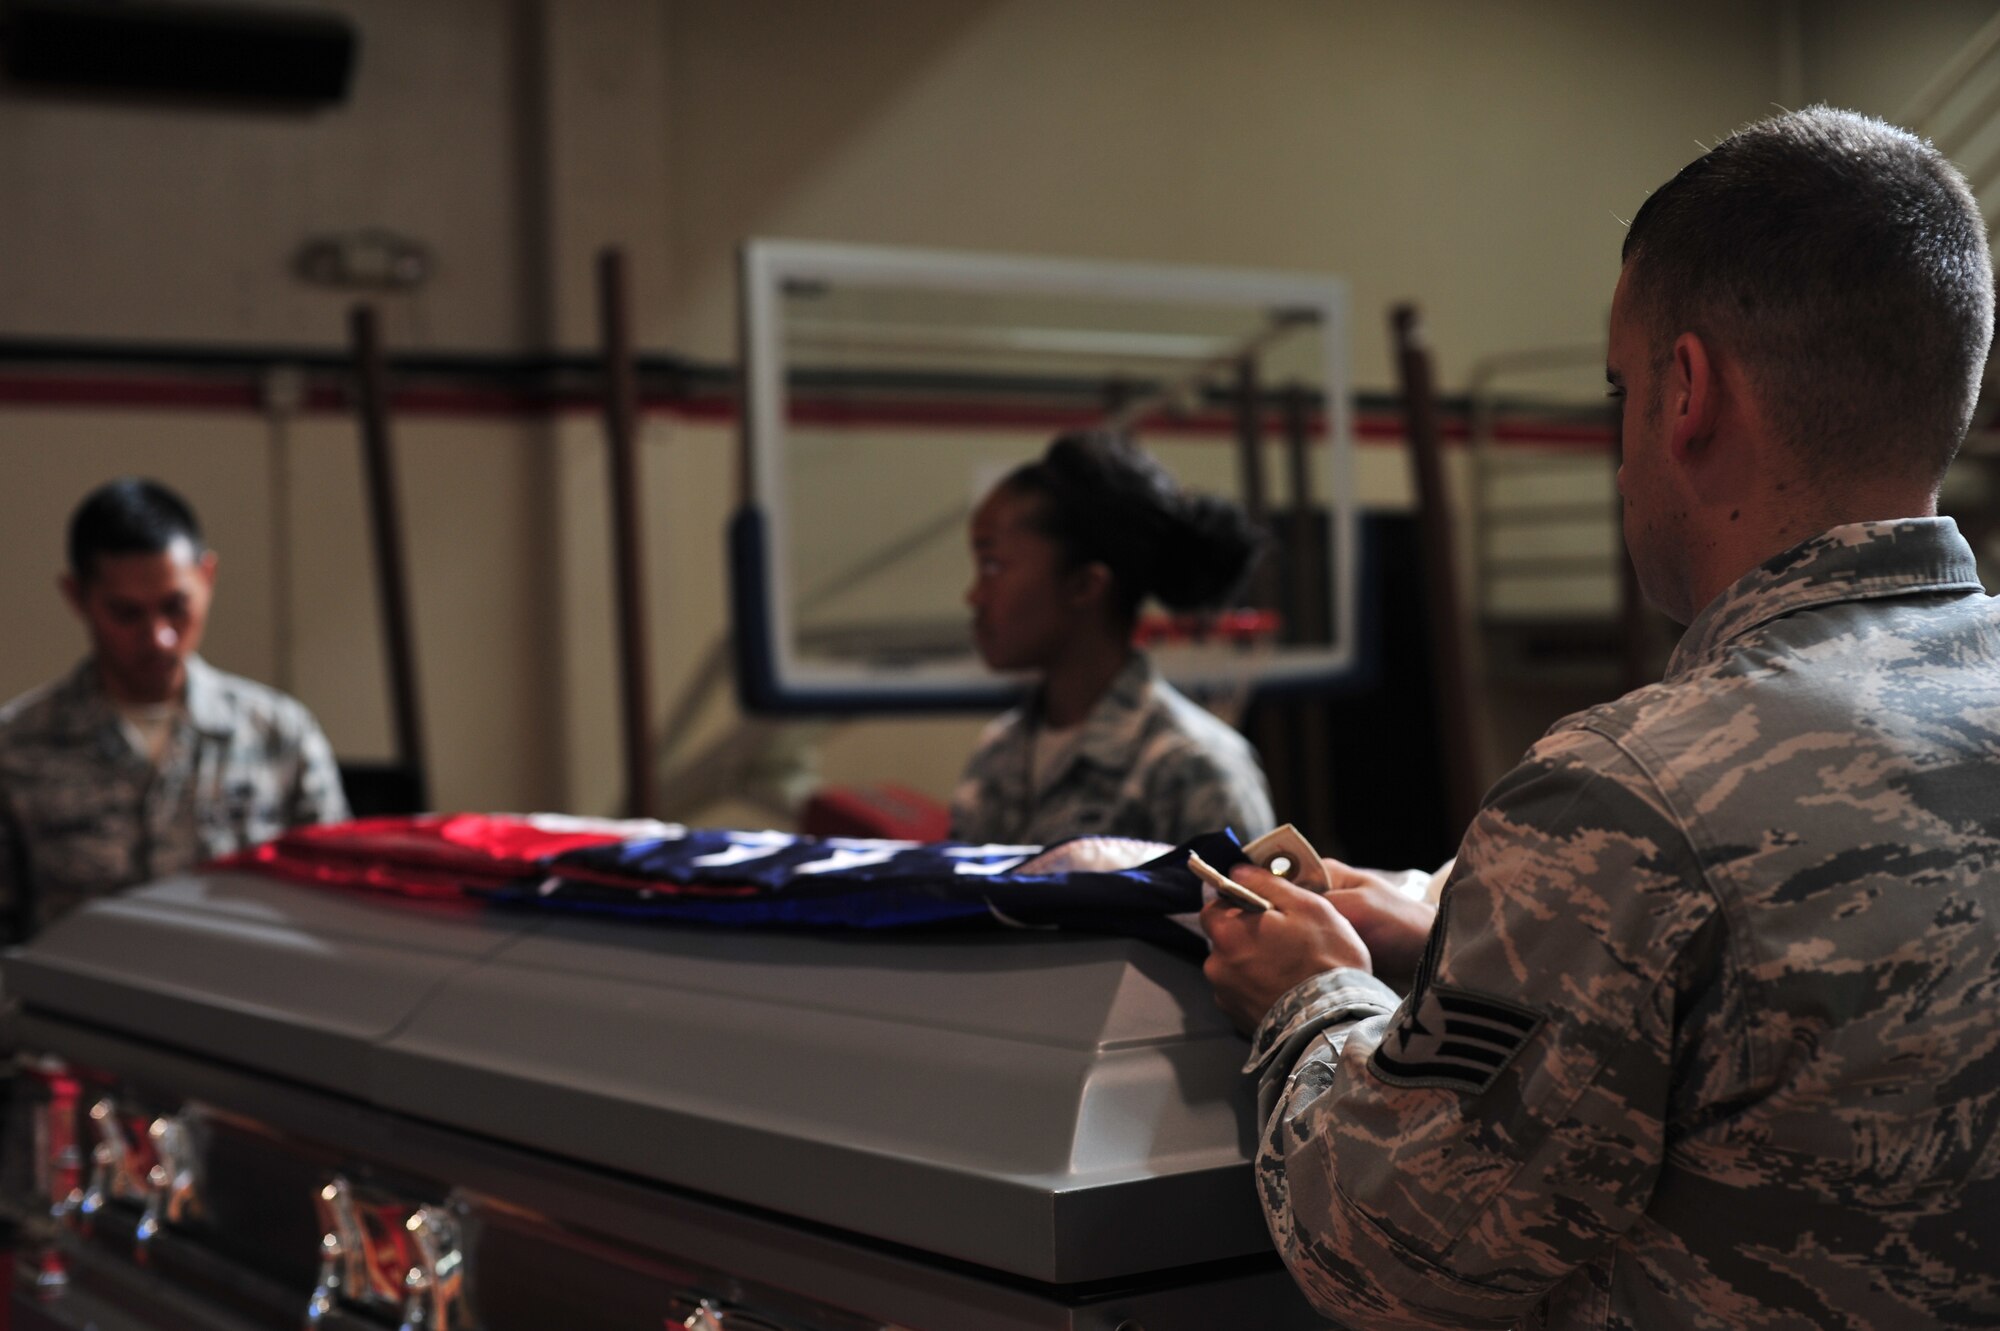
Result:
[
  {"x": 1875, "y": 57},
  {"x": 1476, "y": 156},
  {"x": 138, "y": 221}
]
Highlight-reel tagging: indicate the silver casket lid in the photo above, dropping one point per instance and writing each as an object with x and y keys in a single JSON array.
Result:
[{"x": 1063, "y": 1107}]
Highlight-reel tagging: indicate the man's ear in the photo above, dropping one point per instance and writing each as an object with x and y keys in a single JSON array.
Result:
[
  {"x": 206, "y": 567},
  {"x": 72, "y": 590},
  {"x": 1693, "y": 396}
]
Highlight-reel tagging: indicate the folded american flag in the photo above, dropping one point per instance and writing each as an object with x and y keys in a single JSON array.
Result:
[
  {"x": 754, "y": 879},
  {"x": 434, "y": 854}
]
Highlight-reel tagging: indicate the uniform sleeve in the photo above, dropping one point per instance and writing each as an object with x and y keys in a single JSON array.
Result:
[
  {"x": 1194, "y": 790},
  {"x": 319, "y": 796},
  {"x": 1445, "y": 1161},
  {"x": 979, "y": 801}
]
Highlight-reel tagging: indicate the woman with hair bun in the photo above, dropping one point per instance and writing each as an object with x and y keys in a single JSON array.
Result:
[{"x": 1065, "y": 550}]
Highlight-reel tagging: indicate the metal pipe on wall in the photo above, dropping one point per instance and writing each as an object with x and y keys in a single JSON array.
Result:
[
  {"x": 1306, "y": 617},
  {"x": 1459, "y": 733},
  {"x": 621, "y": 416},
  {"x": 371, "y": 404}
]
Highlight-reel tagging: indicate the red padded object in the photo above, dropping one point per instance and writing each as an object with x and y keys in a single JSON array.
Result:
[{"x": 888, "y": 812}]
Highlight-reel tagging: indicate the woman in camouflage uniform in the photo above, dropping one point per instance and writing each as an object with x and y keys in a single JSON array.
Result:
[{"x": 1065, "y": 551}]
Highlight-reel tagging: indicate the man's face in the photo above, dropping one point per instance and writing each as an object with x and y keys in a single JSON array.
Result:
[
  {"x": 145, "y": 614},
  {"x": 1021, "y": 607},
  {"x": 1654, "y": 518}
]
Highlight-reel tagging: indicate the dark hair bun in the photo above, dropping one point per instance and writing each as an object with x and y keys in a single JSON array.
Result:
[
  {"x": 1107, "y": 500},
  {"x": 1211, "y": 557}
]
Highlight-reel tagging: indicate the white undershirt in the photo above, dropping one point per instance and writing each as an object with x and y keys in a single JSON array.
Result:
[
  {"x": 150, "y": 726},
  {"x": 1050, "y": 746}
]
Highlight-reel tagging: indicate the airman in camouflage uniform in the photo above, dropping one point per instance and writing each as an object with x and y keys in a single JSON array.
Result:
[
  {"x": 1065, "y": 551},
  {"x": 1147, "y": 763},
  {"x": 83, "y": 812},
  {"x": 145, "y": 760},
  {"x": 1707, "y": 1030}
]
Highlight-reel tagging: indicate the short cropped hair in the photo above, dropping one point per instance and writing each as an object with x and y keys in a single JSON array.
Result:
[
  {"x": 1844, "y": 263},
  {"x": 129, "y": 516}
]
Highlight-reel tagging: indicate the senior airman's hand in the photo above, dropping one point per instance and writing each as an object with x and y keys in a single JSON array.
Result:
[
  {"x": 1256, "y": 956},
  {"x": 1394, "y": 925}
]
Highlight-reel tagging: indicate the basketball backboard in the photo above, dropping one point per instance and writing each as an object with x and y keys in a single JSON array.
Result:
[{"x": 887, "y": 389}]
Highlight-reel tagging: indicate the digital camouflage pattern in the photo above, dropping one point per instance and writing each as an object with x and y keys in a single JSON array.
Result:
[
  {"x": 1754, "y": 914},
  {"x": 82, "y": 812},
  {"x": 1147, "y": 763}
]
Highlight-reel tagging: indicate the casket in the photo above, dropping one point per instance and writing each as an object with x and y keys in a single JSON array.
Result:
[{"x": 246, "y": 1103}]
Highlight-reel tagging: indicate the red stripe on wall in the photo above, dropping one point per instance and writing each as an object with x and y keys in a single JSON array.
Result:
[{"x": 195, "y": 394}]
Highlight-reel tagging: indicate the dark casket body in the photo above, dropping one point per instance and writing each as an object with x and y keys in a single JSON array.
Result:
[{"x": 247, "y": 1103}]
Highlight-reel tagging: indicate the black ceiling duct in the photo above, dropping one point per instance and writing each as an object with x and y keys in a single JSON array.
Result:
[{"x": 156, "y": 48}]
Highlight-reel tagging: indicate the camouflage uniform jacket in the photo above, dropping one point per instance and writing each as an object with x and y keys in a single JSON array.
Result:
[
  {"x": 82, "y": 812},
  {"x": 1147, "y": 763},
  {"x": 1708, "y": 1029}
]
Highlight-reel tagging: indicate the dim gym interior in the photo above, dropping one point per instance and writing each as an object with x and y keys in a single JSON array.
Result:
[{"x": 758, "y": 575}]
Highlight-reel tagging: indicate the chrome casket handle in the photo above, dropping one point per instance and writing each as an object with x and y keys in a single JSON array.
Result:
[
  {"x": 435, "y": 1284},
  {"x": 326, "y": 1289},
  {"x": 343, "y": 1253},
  {"x": 110, "y": 1173},
  {"x": 169, "y": 1185}
]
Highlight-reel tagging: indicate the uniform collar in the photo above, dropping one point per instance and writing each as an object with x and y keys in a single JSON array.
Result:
[
  {"x": 1857, "y": 562},
  {"x": 84, "y": 708},
  {"x": 88, "y": 707},
  {"x": 206, "y": 706},
  {"x": 1111, "y": 727}
]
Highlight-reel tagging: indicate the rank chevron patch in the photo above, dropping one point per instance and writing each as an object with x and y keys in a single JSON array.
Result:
[{"x": 1453, "y": 1039}]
